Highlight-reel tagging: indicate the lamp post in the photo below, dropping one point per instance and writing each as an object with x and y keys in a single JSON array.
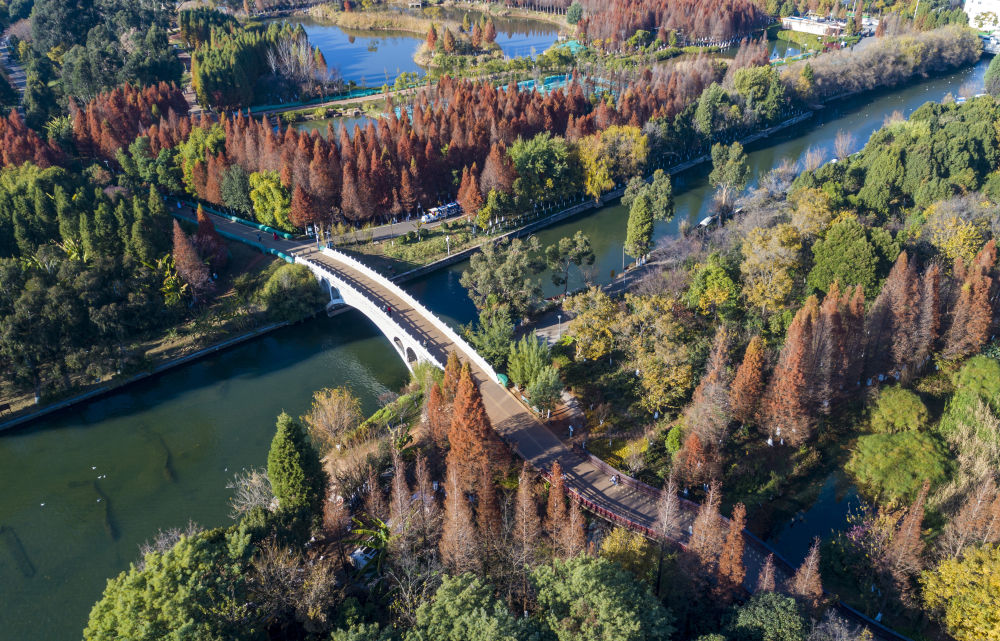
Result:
[
  {"x": 447, "y": 242},
  {"x": 559, "y": 316}
]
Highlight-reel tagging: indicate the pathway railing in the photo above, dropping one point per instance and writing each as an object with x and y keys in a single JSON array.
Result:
[
  {"x": 753, "y": 542},
  {"x": 438, "y": 323}
]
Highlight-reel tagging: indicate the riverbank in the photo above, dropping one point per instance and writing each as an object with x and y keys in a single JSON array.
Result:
[{"x": 103, "y": 389}]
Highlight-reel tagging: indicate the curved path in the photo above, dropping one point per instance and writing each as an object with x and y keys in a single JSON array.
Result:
[{"x": 588, "y": 480}]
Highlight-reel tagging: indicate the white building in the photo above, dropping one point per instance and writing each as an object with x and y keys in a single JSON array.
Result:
[
  {"x": 983, "y": 14},
  {"x": 816, "y": 26}
]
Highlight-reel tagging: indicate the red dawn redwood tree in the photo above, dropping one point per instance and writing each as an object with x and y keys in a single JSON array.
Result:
[
  {"x": 748, "y": 384},
  {"x": 731, "y": 570},
  {"x": 785, "y": 409},
  {"x": 459, "y": 546},
  {"x": 208, "y": 242},
  {"x": 471, "y": 437},
  {"x": 806, "y": 585}
]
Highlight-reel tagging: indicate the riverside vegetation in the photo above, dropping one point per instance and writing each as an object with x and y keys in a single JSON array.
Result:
[{"x": 809, "y": 289}]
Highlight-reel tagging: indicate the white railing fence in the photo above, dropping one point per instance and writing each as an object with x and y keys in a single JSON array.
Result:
[
  {"x": 366, "y": 306},
  {"x": 438, "y": 323}
]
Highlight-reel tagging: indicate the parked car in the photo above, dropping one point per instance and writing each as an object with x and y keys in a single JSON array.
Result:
[{"x": 433, "y": 214}]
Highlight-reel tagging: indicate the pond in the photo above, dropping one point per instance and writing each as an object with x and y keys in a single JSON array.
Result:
[
  {"x": 374, "y": 58},
  {"x": 113, "y": 472}
]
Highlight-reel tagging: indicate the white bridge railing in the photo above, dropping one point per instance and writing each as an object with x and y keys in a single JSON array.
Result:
[
  {"x": 376, "y": 313},
  {"x": 439, "y": 324}
]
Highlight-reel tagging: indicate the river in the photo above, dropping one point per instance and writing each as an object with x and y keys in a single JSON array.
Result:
[{"x": 83, "y": 489}]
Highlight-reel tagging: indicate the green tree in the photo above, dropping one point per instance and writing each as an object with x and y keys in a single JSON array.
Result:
[
  {"x": 612, "y": 157},
  {"x": 588, "y": 598},
  {"x": 545, "y": 390},
  {"x": 893, "y": 467},
  {"x": 528, "y": 357},
  {"x": 768, "y": 616},
  {"x": 729, "y": 167},
  {"x": 560, "y": 256},
  {"x": 709, "y": 116},
  {"x": 271, "y": 201},
  {"x": 504, "y": 270},
  {"x": 493, "y": 335},
  {"x": 546, "y": 168},
  {"x": 632, "y": 551},
  {"x": 194, "y": 590},
  {"x": 574, "y": 13},
  {"x": 639, "y": 234},
  {"x": 236, "y": 189},
  {"x": 292, "y": 293},
  {"x": 296, "y": 473},
  {"x": 964, "y": 594},
  {"x": 770, "y": 259},
  {"x": 991, "y": 80},
  {"x": 658, "y": 192},
  {"x": 899, "y": 410},
  {"x": 712, "y": 289},
  {"x": 762, "y": 89},
  {"x": 846, "y": 255},
  {"x": 465, "y": 609}
]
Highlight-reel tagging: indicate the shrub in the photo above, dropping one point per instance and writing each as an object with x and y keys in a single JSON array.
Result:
[
  {"x": 898, "y": 410},
  {"x": 892, "y": 467},
  {"x": 965, "y": 594},
  {"x": 768, "y": 616},
  {"x": 292, "y": 293}
]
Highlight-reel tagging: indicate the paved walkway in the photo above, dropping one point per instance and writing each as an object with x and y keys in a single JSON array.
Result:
[{"x": 249, "y": 234}]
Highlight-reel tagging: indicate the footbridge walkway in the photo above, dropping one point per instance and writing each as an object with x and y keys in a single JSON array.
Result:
[{"x": 419, "y": 335}]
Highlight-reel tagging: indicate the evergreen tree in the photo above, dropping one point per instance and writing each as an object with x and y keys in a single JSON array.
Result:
[
  {"x": 295, "y": 470},
  {"x": 639, "y": 235}
]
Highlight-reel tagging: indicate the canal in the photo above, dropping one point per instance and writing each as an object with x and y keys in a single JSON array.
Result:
[{"x": 83, "y": 489}]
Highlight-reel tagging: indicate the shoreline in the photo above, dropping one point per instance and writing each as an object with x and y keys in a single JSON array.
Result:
[{"x": 117, "y": 385}]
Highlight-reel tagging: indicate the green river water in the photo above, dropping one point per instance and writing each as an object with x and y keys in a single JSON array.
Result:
[{"x": 84, "y": 488}]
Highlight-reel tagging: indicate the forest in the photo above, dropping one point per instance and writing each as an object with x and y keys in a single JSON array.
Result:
[
  {"x": 846, "y": 319},
  {"x": 461, "y": 132},
  {"x": 492, "y": 552}
]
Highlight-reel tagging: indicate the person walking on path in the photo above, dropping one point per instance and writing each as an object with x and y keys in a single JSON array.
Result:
[
  {"x": 276, "y": 235},
  {"x": 258, "y": 237}
]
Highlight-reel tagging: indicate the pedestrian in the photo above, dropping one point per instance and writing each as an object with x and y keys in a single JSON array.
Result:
[
  {"x": 258, "y": 237},
  {"x": 276, "y": 235}
]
